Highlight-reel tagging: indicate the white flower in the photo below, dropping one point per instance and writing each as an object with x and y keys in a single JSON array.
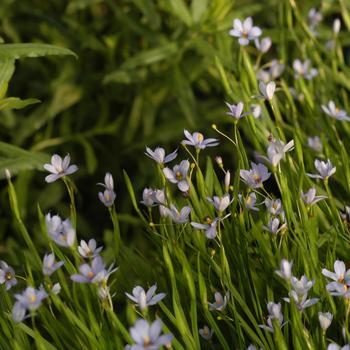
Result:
[
  {"x": 264, "y": 45},
  {"x": 334, "y": 112},
  {"x": 236, "y": 110},
  {"x": 249, "y": 201},
  {"x": 285, "y": 270},
  {"x": 325, "y": 169},
  {"x": 275, "y": 313},
  {"x": 220, "y": 203},
  {"x": 206, "y": 333},
  {"x": 255, "y": 177},
  {"x": 89, "y": 250},
  {"x": 245, "y": 31},
  {"x": 274, "y": 227},
  {"x": 179, "y": 175},
  {"x": 197, "y": 140},
  {"x": 210, "y": 228},
  {"x": 304, "y": 69},
  {"x": 108, "y": 195},
  {"x": 325, "y": 319},
  {"x": 267, "y": 90},
  {"x": 60, "y": 231},
  {"x": 179, "y": 217},
  {"x": 220, "y": 301},
  {"x": 148, "y": 336},
  {"x": 315, "y": 143},
  {"x": 310, "y": 198},
  {"x": 49, "y": 265},
  {"x": 341, "y": 278},
  {"x": 144, "y": 299},
  {"x": 255, "y": 110},
  {"x": 59, "y": 168},
  {"x": 274, "y": 206},
  {"x": 301, "y": 286},
  {"x": 159, "y": 156},
  {"x": 277, "y": 149},
  {"x": 336, "y": 26},
  {"x": 301, "y": 301}
]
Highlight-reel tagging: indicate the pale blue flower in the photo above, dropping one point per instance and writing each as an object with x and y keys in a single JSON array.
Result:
[
  {"x": 236, "y": 111},
  {"x": 334, "y": 346},
  {"x": 274, "y": 206},
  {"x": 210, "y": 228},
  {"x": 220, "y": 203},
  {"x": 310, "y": 198},
  {"x": 179, "y": 175},
  {"x": 7, "y": 275},
  {"x": 179, "y": 217},
  {"x": 249, "y": 202},
  {"x": 255, "y": 177},
  {"x": 206, "y": 333},
  {"x": 325, "y": 169},
  {"x": 276, "y": 151},
  {"x": 220, "y": 301},
  {"x": 89, "y": 250},
  {"x": 148, "y": 336},
  {"x": 341, "y": 278},
  {"x": 90, "y": 273},
  {"x": 255, "y": 110},
  {"x": 59, "y": 168},
  {"x": 267, "y": 90},
  {"x": 334, "y": 112},
  {"x": 245, "y": 31},
  {"x": 325, "y": 319},
  {"x": 264, "y": 45},
  {"x": 107, "y": 197},
  {"x": 303, "y": 69},
  {"x": 275, "y": 313},
  {"x": 158, "y": 155},
  {"x": 30, "y": 300},
  {"x": 301, "y": 301},
  {"x": 197, "y": 140},
  {"x": 49, "y": 265},
  {"x": 274, "y": 226},
  {"x": 285, "y": 270},
  {"x": 60, "y": 231},
  {"x": 301, "y": 286},
  {"x": 315, "y": 17},
  {"x": 144, "y": 299},
  {"x": 274, "y": 71},
  {"x": 315, "y": 143}
]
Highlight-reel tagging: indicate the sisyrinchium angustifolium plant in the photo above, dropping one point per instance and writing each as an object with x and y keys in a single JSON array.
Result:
[{"x": 245, "y": 250}]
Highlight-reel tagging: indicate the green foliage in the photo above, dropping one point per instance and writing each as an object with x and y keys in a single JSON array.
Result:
[{"x": 145, "y": 71}]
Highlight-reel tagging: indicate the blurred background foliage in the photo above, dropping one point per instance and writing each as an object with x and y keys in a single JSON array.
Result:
[{"x": 145, "y": 71}]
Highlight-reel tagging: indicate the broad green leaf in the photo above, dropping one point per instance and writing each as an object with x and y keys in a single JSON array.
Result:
[
  {"x": 15, "y": 159},
  {"x": 16, "y": 103},
  {"x": 16, "y": 51}
]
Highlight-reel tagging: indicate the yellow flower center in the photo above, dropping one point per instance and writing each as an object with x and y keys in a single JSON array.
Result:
[
  {"x": 90, "y": 274},
  {"x": 178, "y": 175},
  {"x": 256, "y": 178},
  {"x": 32, "y": 298},
  {"x": 8, "y": 276},
  {"x": 200, "y": 137},
  {"x": 146, "y": 341}
]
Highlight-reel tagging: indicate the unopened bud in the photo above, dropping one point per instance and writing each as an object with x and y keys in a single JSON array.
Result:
[
  {"x": 219, "y": 161},
  {"x": 336, "y": 26},
  {"x": 7, "y": 174},
  {"x": 227, "y": 180}
]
